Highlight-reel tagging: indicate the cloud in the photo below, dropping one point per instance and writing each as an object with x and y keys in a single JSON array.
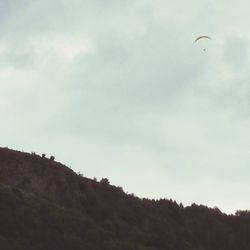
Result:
[{"x": 120, "y": 89}]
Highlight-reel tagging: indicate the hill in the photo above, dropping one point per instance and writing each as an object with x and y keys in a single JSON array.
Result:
[{"x": 46, "y": 205}]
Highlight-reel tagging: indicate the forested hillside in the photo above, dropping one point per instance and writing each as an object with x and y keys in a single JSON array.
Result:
[{"x": 45, "y": 205}]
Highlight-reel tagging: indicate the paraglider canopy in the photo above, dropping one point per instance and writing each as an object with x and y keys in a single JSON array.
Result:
[{"x": 202, "y": 37}]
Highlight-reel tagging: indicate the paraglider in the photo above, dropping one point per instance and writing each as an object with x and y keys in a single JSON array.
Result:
[{"x": 201, "y": 38}]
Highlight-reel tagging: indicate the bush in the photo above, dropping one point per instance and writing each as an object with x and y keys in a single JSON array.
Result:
[
  {"x": 52, "y": 158},
  {"x": 104, "y": 181}
]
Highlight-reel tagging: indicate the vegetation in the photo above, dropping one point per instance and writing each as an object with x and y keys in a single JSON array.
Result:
[
  {"x": 52, "y": 158},
  {"x": 30, "y": 222},
  {"x": 45, "y": 205}
]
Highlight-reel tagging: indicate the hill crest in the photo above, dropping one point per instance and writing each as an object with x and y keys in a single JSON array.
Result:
[{"x": 143, "y": 223}]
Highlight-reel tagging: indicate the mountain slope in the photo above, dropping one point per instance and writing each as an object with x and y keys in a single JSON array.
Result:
[
  {"x": 122, "y": 221},
  {"x": 32, "y": 223}
]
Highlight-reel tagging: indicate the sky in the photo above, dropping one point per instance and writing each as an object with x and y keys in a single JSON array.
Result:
[{"x": 119, "y": 89}]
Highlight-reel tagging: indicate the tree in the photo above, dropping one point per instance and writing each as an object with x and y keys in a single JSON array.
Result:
[{"x": 104, "y": 181}]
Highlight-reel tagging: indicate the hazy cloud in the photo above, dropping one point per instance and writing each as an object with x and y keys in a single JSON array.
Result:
[{"x": 120, "y": 90}]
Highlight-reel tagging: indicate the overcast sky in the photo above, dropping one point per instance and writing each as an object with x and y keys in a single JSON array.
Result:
[{"x": 119, "y": 89}]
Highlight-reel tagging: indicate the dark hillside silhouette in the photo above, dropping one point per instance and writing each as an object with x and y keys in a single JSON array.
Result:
[{"x": 45, "y": 204}]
